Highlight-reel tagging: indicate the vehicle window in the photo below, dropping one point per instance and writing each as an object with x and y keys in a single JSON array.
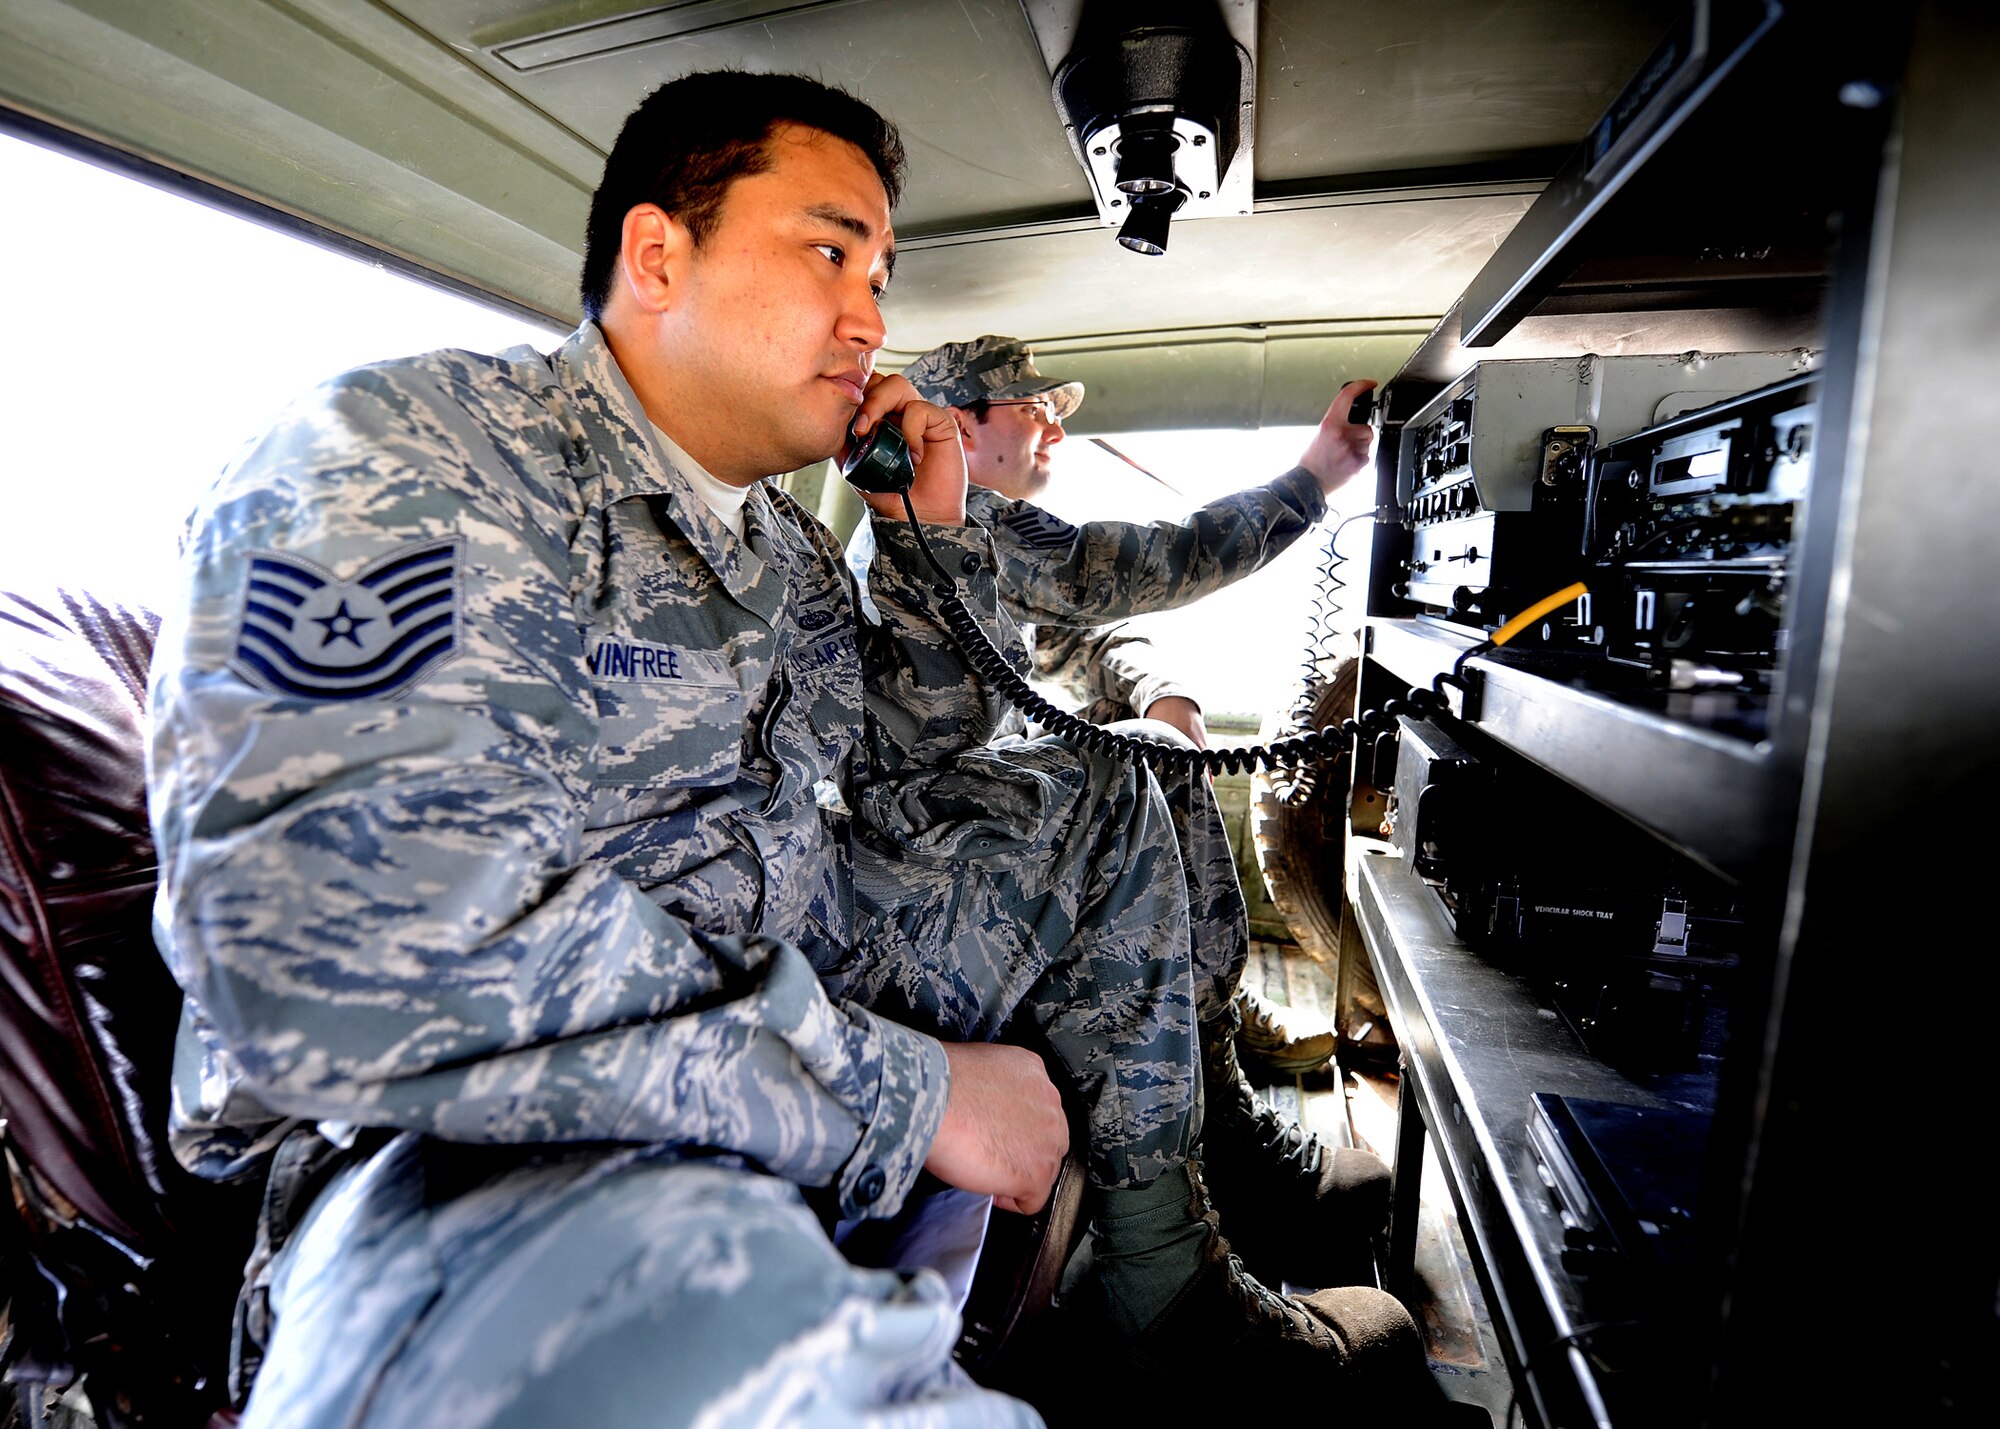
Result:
[
  {"x": 147, "y": 337},
  {"x": 1241, "y": 649}
]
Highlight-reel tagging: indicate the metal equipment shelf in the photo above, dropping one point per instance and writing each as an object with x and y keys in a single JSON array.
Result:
[
  {"x": 1477, "y": 1043},
  {"x": 1729, "y": 805}
]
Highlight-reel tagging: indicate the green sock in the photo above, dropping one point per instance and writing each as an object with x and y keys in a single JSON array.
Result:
[{"x": 1145, "y": 1245}]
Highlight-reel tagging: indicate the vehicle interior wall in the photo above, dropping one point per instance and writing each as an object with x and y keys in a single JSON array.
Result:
[{"x": 1392, "y": 148}]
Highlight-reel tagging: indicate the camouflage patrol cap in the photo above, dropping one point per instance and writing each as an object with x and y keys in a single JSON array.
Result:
[{"x": 992, "y": 369}]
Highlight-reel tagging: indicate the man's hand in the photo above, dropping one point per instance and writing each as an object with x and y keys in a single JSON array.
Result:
[
  {"x": 938, "y": 494},
  {"x": 1183, "y": 714},
  {"x": 1340, "y": 447},
  {"x": 1004, "y": 1131}
]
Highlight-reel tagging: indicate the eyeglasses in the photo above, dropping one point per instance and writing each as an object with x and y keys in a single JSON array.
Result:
[{"x": 1044, "y": 405}]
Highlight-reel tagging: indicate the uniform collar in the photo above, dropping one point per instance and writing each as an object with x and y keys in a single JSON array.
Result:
[
  {"x": 983, "y": 504},
  {"x": 631, "y": 463}
]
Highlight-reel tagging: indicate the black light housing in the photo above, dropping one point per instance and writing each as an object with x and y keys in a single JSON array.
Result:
[
  {"x": 1145, "y": 227},
  {"x": 1156, "y": 97},
  {"x": 1146, "y": 157}
]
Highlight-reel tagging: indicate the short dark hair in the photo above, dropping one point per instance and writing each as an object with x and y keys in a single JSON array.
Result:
[
  {"x": 692, "y": 137},
  {"x": 981, "y": 408}
]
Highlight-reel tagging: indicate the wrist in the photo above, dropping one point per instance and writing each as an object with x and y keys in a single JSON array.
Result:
[{"x": 1326, "y": 478}]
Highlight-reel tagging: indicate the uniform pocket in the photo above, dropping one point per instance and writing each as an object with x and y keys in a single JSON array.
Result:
[{"x": 666, "y": 717}]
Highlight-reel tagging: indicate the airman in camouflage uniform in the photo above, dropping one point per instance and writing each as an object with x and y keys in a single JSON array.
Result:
[
  {"x": 510, "y": 867},
  {"x": 1053, "y": 577},
  {"x": 1064, "y": 588},
  {"x": 481, "y": 776},
  {"x": 485, "y": 748}
]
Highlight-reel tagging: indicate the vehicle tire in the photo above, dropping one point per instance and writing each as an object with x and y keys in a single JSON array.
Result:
[{"x": 1300, "y": 834}]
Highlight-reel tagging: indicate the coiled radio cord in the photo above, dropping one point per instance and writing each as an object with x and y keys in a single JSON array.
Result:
[
  {"x": 1321, "y": 632},
  {"x": 1325, "y": 745}
]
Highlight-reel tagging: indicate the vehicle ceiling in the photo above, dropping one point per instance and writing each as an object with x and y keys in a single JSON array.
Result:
[{"x": 1394, "y": 145}]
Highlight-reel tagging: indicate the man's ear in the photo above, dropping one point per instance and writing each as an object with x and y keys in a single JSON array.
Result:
[
  {"x": 652, "y": 256},
  {"x": 967, "y": 426}
]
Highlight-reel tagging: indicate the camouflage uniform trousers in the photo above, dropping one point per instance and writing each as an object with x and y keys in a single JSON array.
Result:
[
  {"x": 1032, "y": 892},
  {"x": 1218, "y": 916},
  {"x": 438, "y": 1286}
]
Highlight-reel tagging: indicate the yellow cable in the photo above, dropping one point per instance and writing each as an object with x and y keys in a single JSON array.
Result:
[{"x": 1536, "y": 611}]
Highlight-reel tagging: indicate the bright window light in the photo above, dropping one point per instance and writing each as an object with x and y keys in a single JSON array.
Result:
[
  {"x": 147, "y": 338},
  {"x": 1240, "y": 650}
]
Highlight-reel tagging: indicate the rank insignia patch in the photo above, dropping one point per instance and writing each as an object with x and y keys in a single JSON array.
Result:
[
  {"x": 305, "y": 632},
  {"x": 1039, "y": 530}
]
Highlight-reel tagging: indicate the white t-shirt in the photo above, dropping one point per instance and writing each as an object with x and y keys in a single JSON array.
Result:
[{"x": 724, "y": 500}]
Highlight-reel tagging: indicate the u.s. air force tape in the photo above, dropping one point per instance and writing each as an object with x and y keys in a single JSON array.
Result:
[{"x": 306, "y": 632}]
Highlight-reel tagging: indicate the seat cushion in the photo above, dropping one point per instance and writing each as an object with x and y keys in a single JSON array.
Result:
[{"x": 87, "y": 1008}]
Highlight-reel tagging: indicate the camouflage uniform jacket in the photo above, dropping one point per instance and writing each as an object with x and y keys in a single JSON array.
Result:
[
  {"x": 1109, "y": 672},
  {"x": 1069, "y": 586},
  {"x": 482, "y": 776}
]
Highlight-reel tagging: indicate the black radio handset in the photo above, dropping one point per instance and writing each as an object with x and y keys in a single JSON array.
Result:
[{"x": 881, "y": 465}]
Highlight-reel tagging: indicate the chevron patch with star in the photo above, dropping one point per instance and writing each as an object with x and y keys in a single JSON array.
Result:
[
  {"x": 1037, "y": 529},
  {"x": 305, "y": 632}
]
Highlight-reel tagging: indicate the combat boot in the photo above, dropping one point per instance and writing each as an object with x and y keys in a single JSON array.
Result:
[
  {"x": 1334, "y": 1351},
  {"x": 1294, "y": 1207},
  {"x": 1285, "y": 1039}
]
